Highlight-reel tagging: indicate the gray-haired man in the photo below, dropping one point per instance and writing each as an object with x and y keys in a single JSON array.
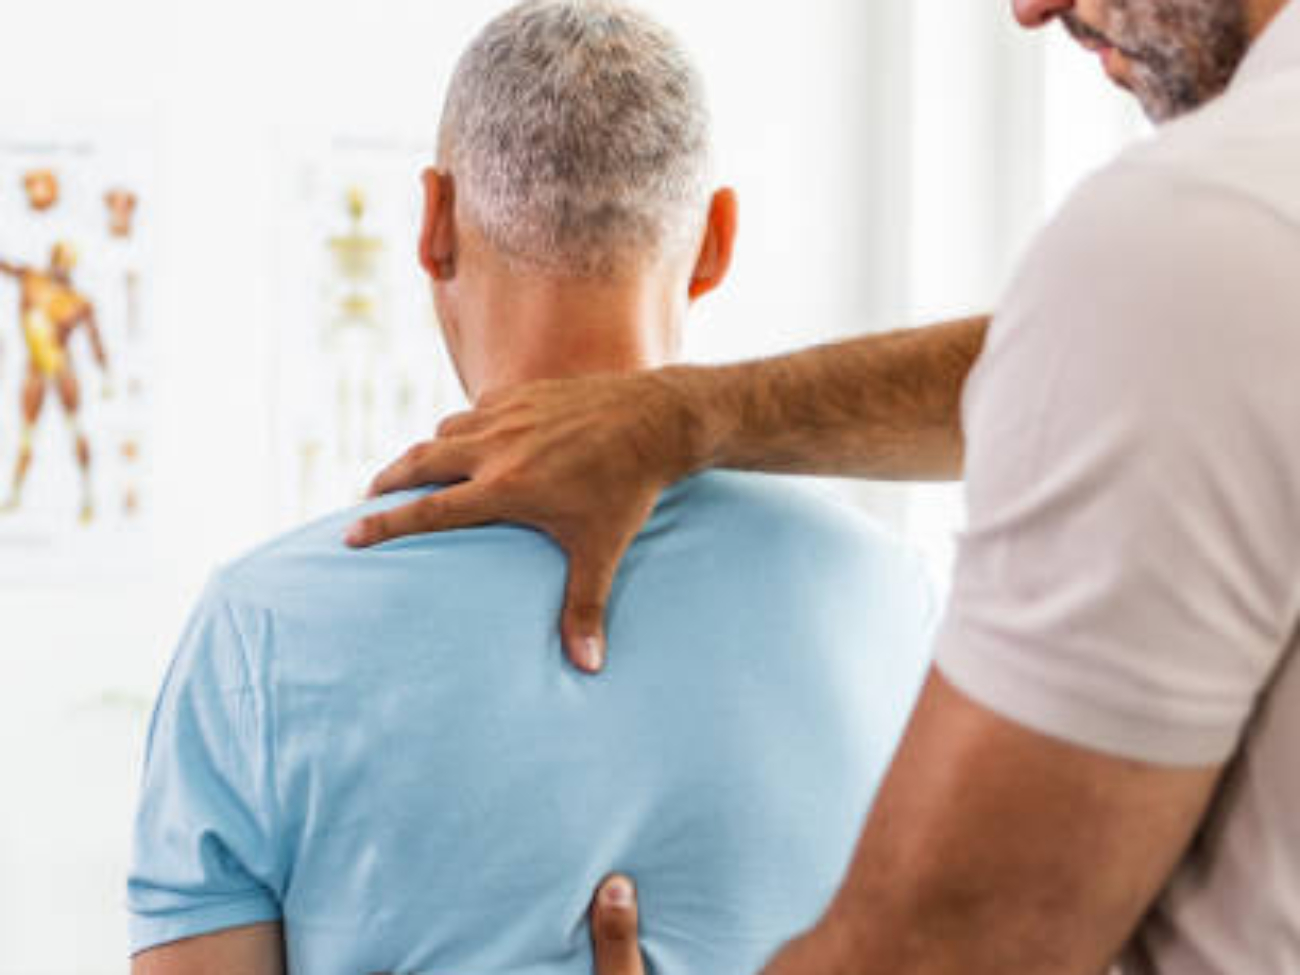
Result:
[{"x": 380, "y": 761}]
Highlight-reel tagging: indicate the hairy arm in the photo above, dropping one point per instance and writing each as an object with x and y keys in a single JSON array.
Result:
[
  {"x": 584, "y": 459},
  {"x": 994, "y": 849},
  {"x": 884, "y": 406},
  {"x": 257, "y": 949}
]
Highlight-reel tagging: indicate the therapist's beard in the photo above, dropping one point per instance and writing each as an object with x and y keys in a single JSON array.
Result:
[{"x": 1183, "y": 52}]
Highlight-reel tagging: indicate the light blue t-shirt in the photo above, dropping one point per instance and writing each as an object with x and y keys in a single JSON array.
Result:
[{"x": 388, "y": 751}]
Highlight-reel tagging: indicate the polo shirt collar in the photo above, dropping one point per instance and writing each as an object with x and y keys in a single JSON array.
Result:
[{"x": 1274, "y": 51}]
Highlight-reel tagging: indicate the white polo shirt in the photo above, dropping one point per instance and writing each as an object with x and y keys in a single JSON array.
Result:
[{"x": 1130, "y": 578}]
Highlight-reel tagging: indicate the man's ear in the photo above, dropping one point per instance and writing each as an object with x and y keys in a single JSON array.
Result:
[
  {"x": 438, "y": 235},
  {"x": 714, "y": 259}
]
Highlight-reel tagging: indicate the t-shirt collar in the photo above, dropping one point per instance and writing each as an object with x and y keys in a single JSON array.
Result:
[{"x": 1274, "y": 51}]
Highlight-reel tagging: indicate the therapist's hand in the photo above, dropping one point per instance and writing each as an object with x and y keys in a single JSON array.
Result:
[
  {"x": 582, "y": 460},
  {"x": 614, "y": 928}
]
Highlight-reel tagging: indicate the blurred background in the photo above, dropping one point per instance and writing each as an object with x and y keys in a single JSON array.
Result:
[{"x": 239, "y": 182}]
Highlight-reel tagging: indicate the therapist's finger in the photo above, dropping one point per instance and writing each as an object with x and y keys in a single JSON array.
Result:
[
  {"x": 614, "y": 928},
  {"x": 461, "y": 506},
  {"x": 429, "y": 462},
  {"x": 460, "y": 424},
  {"x": 592, "y": 567},
  {"x": 582, "y": 625}
]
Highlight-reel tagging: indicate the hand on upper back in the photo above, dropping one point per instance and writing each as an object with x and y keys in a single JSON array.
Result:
[{"x": 582, "y": 460}]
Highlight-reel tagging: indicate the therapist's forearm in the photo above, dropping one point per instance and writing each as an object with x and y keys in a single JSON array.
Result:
[
  {"x": 993, "y": 848},
  {"x": 884, "y": 406}
]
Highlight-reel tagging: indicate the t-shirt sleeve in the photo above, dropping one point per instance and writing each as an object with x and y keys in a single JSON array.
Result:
[
  {"x": 1128, "y": 578},
  {"x": 205, "y": 855}
]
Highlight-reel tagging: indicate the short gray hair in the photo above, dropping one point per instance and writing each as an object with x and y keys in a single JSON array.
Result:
[{"x": 578, "y": 135}]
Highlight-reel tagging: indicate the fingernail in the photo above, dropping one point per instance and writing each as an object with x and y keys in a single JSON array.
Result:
[
  {"x": 618, "y": 893},
  {"x": 356, "y": 535},
  {"x": 591, "y": 653}
]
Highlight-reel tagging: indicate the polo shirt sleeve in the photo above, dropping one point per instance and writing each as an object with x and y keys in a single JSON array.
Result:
[
  {"x": 204, "y": 850},
  {"x": 1128, "y": 578}
]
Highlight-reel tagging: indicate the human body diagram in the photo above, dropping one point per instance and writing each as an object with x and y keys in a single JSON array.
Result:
[{"x": 51, "y": 312}]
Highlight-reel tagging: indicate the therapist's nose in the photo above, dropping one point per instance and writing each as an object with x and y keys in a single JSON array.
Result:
[{"x": 1036, "y": 13}]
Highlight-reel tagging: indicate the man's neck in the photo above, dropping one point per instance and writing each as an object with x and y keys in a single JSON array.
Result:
[{"x": 541, "y": 328}]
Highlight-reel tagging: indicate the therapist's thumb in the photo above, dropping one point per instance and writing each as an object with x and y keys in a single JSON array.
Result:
[
  {"x": 614, "y": 928},
  {"x": 582, "y": 625},
  {"x": 595, "y": 551}
]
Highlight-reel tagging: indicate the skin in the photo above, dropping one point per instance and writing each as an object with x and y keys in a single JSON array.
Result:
[
  {"x": 991, "y": 847},
  {"x": 504, "y": 324},
  {"x": 256, "y": 949}
]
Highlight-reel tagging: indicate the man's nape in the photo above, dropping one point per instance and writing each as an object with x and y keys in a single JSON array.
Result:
[{"x": 506, "y": 321}]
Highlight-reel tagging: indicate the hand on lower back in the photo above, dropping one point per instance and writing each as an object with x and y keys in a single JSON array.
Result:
[
  {"x": 615, "y": 928},
  {"x": 582, "y": 460}
]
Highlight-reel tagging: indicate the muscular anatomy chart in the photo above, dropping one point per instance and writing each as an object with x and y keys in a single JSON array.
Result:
[
  {"x": 52, "y": 312},
  {"x": 74, "y": 374}
]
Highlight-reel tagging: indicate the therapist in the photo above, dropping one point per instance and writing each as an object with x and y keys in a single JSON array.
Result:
[{"x": 1103, "y": 764}]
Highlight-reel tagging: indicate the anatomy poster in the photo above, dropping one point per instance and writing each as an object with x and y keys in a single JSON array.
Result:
[
  {"x": 75, "y": 380},
  {"x": 361, "y": 371}
]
